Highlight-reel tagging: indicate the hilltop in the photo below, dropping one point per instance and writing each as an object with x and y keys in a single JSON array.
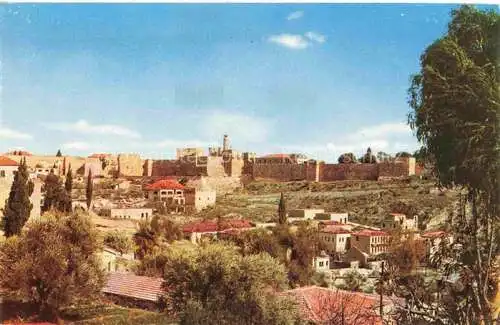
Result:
[{"x": 365, "y": 201}]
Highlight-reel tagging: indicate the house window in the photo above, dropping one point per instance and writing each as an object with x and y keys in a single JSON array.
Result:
[
  {"x": 320, "y": 263},
  {"x": 357, "y": 238},
  {"x": 2, "y": 173}
]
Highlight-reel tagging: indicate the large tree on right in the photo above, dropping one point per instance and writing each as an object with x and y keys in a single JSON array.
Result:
[{"x": 455, "y": 104}]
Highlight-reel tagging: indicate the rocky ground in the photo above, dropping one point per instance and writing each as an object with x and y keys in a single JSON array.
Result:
[{"x": 365, "y": 201}]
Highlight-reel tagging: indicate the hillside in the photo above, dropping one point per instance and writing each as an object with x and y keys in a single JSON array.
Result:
[{"x": 365, "y": 201}]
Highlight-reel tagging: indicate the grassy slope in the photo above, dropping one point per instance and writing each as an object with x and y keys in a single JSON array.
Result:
[{"x": 366, "y": 201}]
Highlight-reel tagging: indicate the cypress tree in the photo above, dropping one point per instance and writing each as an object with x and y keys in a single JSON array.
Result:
[
  {"x": 90, "y": 188},
  {"x": 68, "y": 186},
  {"x": 282, "y": 210},
  {"x": 56, "y": 196},
  {"x": 18, "y": 206},
  {"x": 59, "y": 154}
]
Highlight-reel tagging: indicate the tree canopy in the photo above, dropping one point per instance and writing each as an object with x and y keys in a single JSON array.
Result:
[
  {"x": 455, "y": 103},
  {"x": 214, "y": 284},
  {"x": 53, "y": 263},
  {"x": 18, "y": 205}
]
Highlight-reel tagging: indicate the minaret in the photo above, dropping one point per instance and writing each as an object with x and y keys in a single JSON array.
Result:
[{"x": 225, "y": 143}]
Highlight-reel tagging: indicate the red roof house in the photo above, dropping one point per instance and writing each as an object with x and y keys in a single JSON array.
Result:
[
  {"x": 331, "y": 306},
  {"x": 164, "y": 184},
  {"x": 5, "y": 161},
  {"x": 334, "y": 229}
]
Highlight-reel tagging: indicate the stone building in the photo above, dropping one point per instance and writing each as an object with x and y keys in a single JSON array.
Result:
[
  {"x": 335, "y": 238},
  {"x": 170, "y": 192},
  {"x": 399, "y": 221},
  {"x": 371, "y": 242},
  {"x": 132, "y": 213}
]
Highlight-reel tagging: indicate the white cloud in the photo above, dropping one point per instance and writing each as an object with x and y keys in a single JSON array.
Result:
[
  {"x": 382, "y": 130},
  {"x": 85, "y": 127},
  {"x": 76, "y": 145},
  {"x": 387, "y": 137},
  {"x": 316, "y": 37},
  {"x": 295, "y": 15},
  {"x": 245, "y": 128},
  {"x": 6, "y": 133},
  {"x": 292, "y": 41}
]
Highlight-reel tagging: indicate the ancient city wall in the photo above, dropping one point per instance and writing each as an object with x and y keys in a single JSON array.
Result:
[
  {"x": 335, "y": 172},
  {"x": 400, "y": 168},
  {"x": 130, "y": 165},
  {"x": 77, "y": 163},
  {"x": 280, "y": 172},
  {"x": 174, "y": 168}
]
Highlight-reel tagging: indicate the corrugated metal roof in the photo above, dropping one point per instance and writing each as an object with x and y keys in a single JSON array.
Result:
[{"x": 134, "y": 286}]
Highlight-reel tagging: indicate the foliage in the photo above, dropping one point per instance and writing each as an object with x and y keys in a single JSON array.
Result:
[
  {"x": 214, "y": 284},
  {"x": 166, "y": 228},
  {"x": 89, "y": 189},
  {"x": 282, "y": 210},
  {"x": 68, "y": 183},
  {"x": 353, "y": 281},
  {"x": 455, "y": 102},
  {"x": 183, "y": 181},
  {"x": 59, "y": 154},
  {"x": 347, "y": 158},
  {"x": 403, "y": 154},
  {"x": 18, "y": 206},
  {"x": 383, "y": 156},
  {"x": 56, "y": 197},
  {"x": 368, "y": 157},
  {"x": 53, "y": 263},
  {"x": 259, "y": 241},
  {"x": 406, "y": 254},
  {"x": 145, "y": 240},
  {"x": 118, "y": 241}
]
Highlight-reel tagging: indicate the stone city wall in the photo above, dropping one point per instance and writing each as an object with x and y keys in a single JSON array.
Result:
[{"x": 336, "y": 172}]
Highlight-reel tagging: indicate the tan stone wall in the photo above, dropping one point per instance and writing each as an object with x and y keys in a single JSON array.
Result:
[
  {"x": 335, "y": 172},
  {"x": 215, "y": 167},
  {"x": 130, "y": 165},
  {"x": 77, "y": 163}
]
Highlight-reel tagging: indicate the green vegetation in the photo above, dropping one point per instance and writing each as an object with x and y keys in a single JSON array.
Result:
[
  {"x": 214, "y": 284},
  {"x": 89, "y": 190},
  {"x": 18, "y": 206},
  {"x": 56, "y": 196},
  {"x": 53, "y": 263},
  {"x": 455, "y": 103},
  {"x": 282, "y": 210},
  {"x": 118, "y": 241}
]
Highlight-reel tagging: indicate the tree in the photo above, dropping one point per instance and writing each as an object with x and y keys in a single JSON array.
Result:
[
  {"x": 68, "y": 183},
  {"x": 259, "y": 241},
  {"x": 53, "y": 263},
  {"x": 18, "y": 205},
  {"x": 56, "y": 197},
  {"x": 145, "y": 240},
  {"x": 282, "y": 210},
  {"x": 368, "y": 158},
  {"x": 214, "y": 284},
  {"x": 455, "y": 101},
  {"x": 383, "y": 156},
  {"x": 166, "y": 228},
  {"x": 59, "y": 154},
  {"x": 403, "y": 154},
  {"x": 347, "y": 158},
  {"x": 118, "y": 241},
  {"x": 89, "y": 190}
]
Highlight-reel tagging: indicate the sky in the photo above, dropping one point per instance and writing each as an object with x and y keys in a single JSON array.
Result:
[{"x": 321, "y": 79}]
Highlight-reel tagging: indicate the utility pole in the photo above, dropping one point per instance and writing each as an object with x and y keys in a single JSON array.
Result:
[{"x": 381, "y": 291}]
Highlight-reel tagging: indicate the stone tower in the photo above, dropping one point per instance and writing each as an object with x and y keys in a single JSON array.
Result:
[{"x": 225, "y": 143}]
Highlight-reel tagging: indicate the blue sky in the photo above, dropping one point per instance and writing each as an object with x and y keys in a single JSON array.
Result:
[{"x": 319, "y": 79}]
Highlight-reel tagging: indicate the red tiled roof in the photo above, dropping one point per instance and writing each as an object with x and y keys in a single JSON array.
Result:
[
  {"x": 320, "y": 305},
  {"x": 334, "y": 229},
  {"x": 200, "y": 226},
  {"x": 434, "y": 234},
  {"x": 134, "y": 286},
  {"x": 165, "y": 184},
  {"x": 368, "y": 232},
  {"x": 4, "y": 161}
]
